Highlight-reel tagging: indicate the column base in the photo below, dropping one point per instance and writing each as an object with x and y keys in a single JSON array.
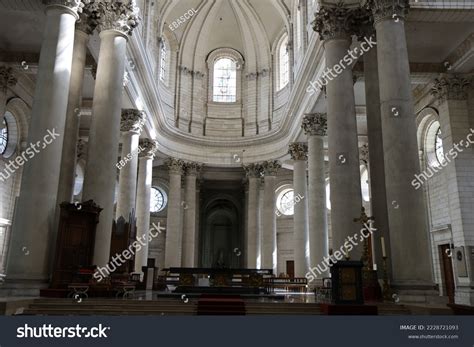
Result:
[{"x": 22, "y": 288}]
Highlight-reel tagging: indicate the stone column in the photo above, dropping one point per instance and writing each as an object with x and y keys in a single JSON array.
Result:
[
  {"x": 406, "y": 208},
  {"x": 189, "y": 205},
  {"x": 315, "y": 127},
  {"x": 130, "y": 127},
  {"x": 173, "y": 230},
  {"x": 451, "y": 94},
  {"x": 332, "y": 23},
  {"x": 253, "y": 175},
  {"x": 7, "y": 80},
  {"x": 376, "y": 165},
  {"x": 145, "y": 175},
  {"x": 84, "y": 28},
  {"x": 299, "y": 154},
  {"x": 269, "y": 238},
  {"x": 32, "y": 230},
  {"x": 115, "y": 22}
]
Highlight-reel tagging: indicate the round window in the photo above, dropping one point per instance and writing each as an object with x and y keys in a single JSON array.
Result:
[{"x": 158, "y": 200}]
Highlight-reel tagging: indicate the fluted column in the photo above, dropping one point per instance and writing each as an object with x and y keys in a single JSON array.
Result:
[
  {"x": 84, "y": 28},
  {"x": 253, "y": 239},
  {"x": 333, "y": 25},
  {"x": 115, "y": 22},
  {"x": 189, "y": 204},
  {"x": 7, "y": 80},
  {"x": 406, "y": 208},
  {"x": 34, "y": 213},
  {"x": 145, "y": 175},
  {"x": 173, "y": 230},
  {"x": 299, "y": 154},
  {"x": 315, "y": 127},
  {"x": 269, "y": 238},
  {"x": 130, "y": 127}
]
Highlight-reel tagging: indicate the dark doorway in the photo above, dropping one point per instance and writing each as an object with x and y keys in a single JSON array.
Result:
[
  {"x": 290, "y": 268},
  {"x": 447, "y": 271}
]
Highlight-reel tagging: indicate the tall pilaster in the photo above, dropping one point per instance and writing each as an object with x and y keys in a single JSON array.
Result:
[
  {"x": 145, "y": 175},
  {"x": 34, "y": 214},
  {"x": 334, "y": 25},
  {"x": 173, "y": 225},
  {"x": 84, "y": 28},
  {"x": 406, "y": 208},
  {"x": 116, "y": 20},
  {"x": 130, "y": 127},
  {"x": 315, "y": 128},
  {"x": 253, "y": 238},
  {"x": 299, "y": 154},
  {"x": 7, "y": 80},
  {"x": 451, "y": 92},
  {"x": 189, "y": 204},
  {"x": 269, "y": 237}
]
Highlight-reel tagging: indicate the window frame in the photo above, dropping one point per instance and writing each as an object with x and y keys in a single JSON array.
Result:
[{"x": 233, "y": 71}]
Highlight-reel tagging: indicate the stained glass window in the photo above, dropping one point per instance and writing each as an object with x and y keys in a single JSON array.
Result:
[{"x": 225, "y": 80}]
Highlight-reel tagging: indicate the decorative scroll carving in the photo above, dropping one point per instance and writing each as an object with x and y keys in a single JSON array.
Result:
[
  {"x": 298, "y": 151},
  {"x": 192, "y": 168},
  {"x": 132, "y": 120},
  {"x": 148, "y": 148},
  {"x": 315, "y": 124},
  {"x": 450, "y": 88},
  {"x": 175, "y": 166},
  {"x": 120, "y": 15},
  {"x": 388, "y": 9},
  {"x": 253, "y": 170},
  {"x": 86, "y": 23},
  {"x": 271, "y": 167},
  {"x": 335, "y": 22}
]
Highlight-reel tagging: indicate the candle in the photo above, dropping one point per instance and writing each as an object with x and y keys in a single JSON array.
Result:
[{"x": 382, "y": 241}]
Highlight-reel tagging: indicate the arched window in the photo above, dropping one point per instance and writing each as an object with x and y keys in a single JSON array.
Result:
[
  {"x": 3, "y": 137},
  {"x": 8, "y": 135},
  {"x": 283, "y": 63},
  {"x": 225, "y": 80},
  {"x": 299, "y": 29},
  {"x": 286, "y": 202},
  {"x": 163, "y": 60},
  {"x": 434, "y": 145},
  {"x": 158, "y": 200}
]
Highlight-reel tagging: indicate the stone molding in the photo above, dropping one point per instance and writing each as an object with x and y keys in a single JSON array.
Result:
[
  {"x": 315, "y": 124},
  {"x": 450, "y": 88},
  {"x": 388, "y": 9},
  {"x": 7, "y": 79},
  {"x": 175, "y": 166},
  {"x": 148, "y": 148},
  {"x": 271, "y": 167},
  {"x": 298, "y": 151},
  {"x": 131, "y": 120},
  {"x": 253, "y": 170},
  {"x": 119, "y": 15}
]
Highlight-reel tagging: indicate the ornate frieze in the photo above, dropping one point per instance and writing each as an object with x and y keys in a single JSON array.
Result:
[
  {"x": 253, "y": 170},
  {"x": 175, "y": 166},
  {"x": 271, "y": 167},
  {"x": 298, "y": 151},
  {"x": 450, "y": 88},
  {"x": 148, "y": 148},
  {"x": 120, "y": 15},
  {"x": 388, "y": 9},
  {"x": 132, "y": 120},
  {"x": 335, "y": 22},
  {"x": 192, "y": 168},
  {"x": 7, "y": 78},
  {"x": 315, "y": 124}
]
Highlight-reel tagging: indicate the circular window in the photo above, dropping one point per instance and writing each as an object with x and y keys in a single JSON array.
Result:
[
  {"x": 286, "y": 202},
  {"x": 158, "y": 200},
  {"x": 3, "y": 137},
  {"x": 79, "y": 180},
  {"x": 434, "y": 145},
  {"x": 364, "y": 183}
]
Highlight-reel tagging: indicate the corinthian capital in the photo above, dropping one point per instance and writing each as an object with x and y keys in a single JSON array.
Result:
[
  {"x": 176, "y": 166},
  {"x": 120, "y": 15},
  {"x": 253, "y": 170},
  {"x": 132, "y": 120},
  {"x": 315, "y": 124},
  {"x": 450, "y": 88},
  {"x": 7, "y": 78},
  {"x": 86, "y": 23},
  {"x": 75, "y": 5},
  {"x": 335, "y": 22},
  {"x": 148, "y": 148},
  {"x": 192, "y": 168},
  {"x": 271, "y": 167},
  {"x": 389, "y": 9},
  {"x": 298, "y": 151}
]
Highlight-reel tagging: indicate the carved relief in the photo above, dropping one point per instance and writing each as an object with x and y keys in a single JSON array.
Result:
[
  {"x": 315, "y": 124},
  {"x": 450, "y": 88}
]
